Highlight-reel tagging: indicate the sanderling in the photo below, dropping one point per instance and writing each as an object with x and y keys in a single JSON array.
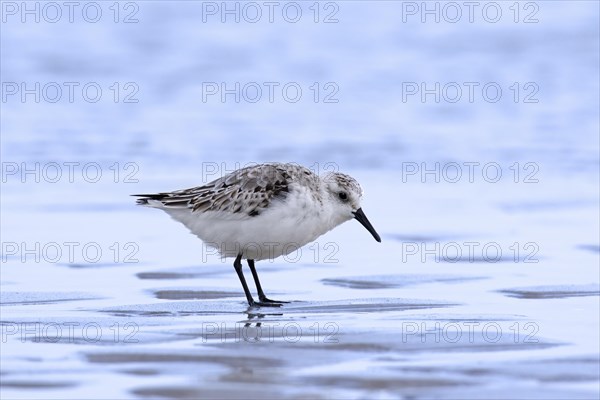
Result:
[{"x": 264, "y": 211}]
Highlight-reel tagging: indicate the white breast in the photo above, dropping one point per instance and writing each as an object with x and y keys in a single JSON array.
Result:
[{"x": 281, "y": 229}]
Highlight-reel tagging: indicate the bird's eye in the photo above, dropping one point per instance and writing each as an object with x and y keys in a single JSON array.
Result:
[{"x": 343, "y": 195}]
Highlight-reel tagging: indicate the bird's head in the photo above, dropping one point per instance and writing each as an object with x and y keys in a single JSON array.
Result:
[{"x": 344, "y": 194}]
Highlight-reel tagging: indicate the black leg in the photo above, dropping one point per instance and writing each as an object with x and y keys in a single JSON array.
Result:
[
  {"x": 261, "y": 294},
  {"x": 237, "y": 264}
]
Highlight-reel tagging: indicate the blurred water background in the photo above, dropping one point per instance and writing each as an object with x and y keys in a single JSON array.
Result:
[{"x": 160, "y": 123}]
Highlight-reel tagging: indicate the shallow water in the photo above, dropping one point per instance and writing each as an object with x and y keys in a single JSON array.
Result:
[{"x": 479, "y": 288}]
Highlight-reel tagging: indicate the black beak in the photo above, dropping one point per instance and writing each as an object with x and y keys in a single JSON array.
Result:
[{"x": 360, "y": 216}]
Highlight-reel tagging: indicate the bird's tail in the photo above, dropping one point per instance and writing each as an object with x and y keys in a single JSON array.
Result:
[{"x": 150, "y": 200}]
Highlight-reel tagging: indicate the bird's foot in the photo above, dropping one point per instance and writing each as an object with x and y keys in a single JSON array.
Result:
[
  {"x": 262, "y": 303},
  {"x": 264, "y": 299}
]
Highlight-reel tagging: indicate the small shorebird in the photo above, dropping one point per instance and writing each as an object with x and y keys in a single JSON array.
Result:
[{"x": 262, "y": 212}]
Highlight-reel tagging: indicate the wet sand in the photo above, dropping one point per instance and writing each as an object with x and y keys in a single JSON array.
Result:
[{"x": 186, "y": 342}]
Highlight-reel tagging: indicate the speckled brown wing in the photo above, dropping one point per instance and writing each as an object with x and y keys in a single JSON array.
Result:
[{"x": 246, "y": 191}]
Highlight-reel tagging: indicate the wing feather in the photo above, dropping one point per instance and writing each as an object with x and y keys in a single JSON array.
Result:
[{"x": 247, "y": 191}]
